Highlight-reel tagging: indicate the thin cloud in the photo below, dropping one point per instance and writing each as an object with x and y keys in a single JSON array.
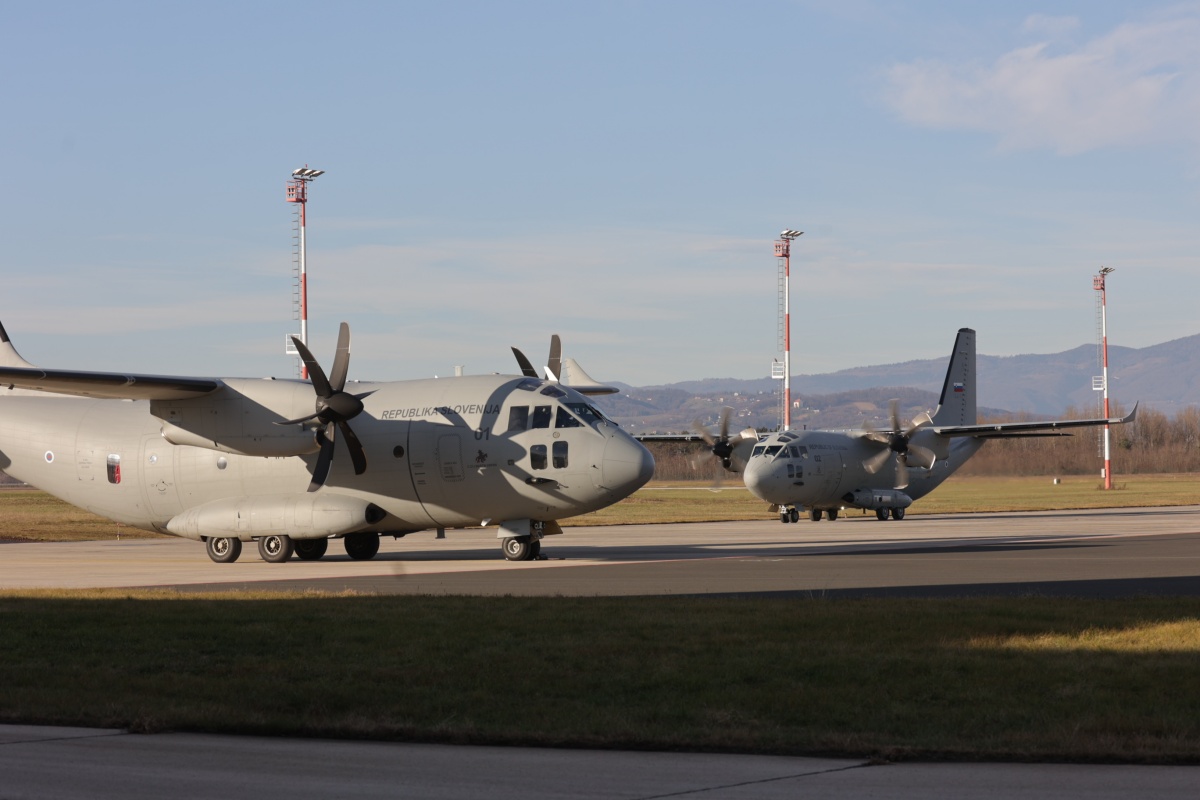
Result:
[{"x": 1135, "y": 85}]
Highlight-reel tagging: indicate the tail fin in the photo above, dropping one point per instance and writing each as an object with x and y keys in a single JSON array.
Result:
[
  {"x": 9, "y": 357},
  {"x": 957, "y": 403}
]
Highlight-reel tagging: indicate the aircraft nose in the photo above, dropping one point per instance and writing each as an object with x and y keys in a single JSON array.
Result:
[
  {"x": 763, "y": 482},
  {"x": 628, "y": 466}
]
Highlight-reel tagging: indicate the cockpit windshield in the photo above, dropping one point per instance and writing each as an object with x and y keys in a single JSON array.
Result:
[{"x": 586, "y": 412}]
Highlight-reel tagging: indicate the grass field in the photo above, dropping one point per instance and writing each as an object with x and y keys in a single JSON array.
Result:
[
  {"x": 982, "y": 678},
  {"x": 1026, "y": 679}
]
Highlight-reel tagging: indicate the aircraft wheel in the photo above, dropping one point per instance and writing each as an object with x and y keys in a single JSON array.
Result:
[
  {"x": 223, "y": 549},
  {"x": 833, "y": 512},
  {"x": 897, "y": 513},
  {"x": 517, "y": 548},
  {"x": 814, "y": 514},
  {"x": 793, "y": 515},
  {"x": 311, "y": 549},
  {"x": 276, "y": 548},
  {"x": 784, "y": 516},
  {"x": 881, "y": 514},
  {"x": 361, "y": 546}
]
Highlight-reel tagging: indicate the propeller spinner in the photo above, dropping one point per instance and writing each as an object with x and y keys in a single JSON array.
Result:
[
  {"x": 334, "y": 409},
  {"x": 899, "y": 442}
]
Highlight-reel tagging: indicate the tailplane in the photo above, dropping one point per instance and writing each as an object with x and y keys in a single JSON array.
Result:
[{"x": 957, "y": 403}]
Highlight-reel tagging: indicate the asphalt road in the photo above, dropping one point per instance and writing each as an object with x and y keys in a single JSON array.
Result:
[{"x": 1111, "y": 552}]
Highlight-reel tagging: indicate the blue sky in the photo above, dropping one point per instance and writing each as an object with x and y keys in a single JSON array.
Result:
[{"x": 613, "y": 172}]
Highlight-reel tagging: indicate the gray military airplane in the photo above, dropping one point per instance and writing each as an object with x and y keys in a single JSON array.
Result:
[
  {"x": 879, "y": 470},
  {"x": 232, "y": 460}
]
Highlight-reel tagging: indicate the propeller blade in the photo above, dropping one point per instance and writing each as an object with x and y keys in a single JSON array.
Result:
[
  {"x": 341, "y": 360},
  {"x": 315, "y": 373},
  {"x": 357, "y": 455},
  {"x": 922, "y": 420},
  {"x": 725, "y": 412},
  {"x": 301, "y": 421},
  {"x": 876, "y": 462},
  {"x": 703, "y": 433},
  {"x": 554, "y": 361},
  {"x": 901, "y": 474},
  {"x": 324, "y": 459},
  {"x": 526, "y": 368},
  {"x": 920, "y": 456}
]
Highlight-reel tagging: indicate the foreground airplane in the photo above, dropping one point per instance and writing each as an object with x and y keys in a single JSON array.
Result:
[
  {"x": 879, "y": 470},
  {"x": 232, "y": 460}
]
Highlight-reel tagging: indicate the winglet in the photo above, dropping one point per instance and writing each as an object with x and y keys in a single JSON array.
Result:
[{"x": 9, "y": 357}]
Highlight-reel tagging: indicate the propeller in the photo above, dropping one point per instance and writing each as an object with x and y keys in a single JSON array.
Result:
[
  {"x": 335, "y": 407},
  {"x": 899, "y": 442},
  {"x": 553, "y": 361},
  {"x": 723, "y": 445}
]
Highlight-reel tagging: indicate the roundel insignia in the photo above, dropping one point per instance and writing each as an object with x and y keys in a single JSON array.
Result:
[{"x": 49, "y": 457}]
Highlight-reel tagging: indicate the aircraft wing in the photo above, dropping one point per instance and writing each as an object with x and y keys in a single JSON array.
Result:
[
  {"x": 108, "y": 385},
  {"x": 1001, "y": 430}
]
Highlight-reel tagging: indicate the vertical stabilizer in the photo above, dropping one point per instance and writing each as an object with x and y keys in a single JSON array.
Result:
[
  {"x": 9, "y": 357},
  {"x": 957, "y": 403}
]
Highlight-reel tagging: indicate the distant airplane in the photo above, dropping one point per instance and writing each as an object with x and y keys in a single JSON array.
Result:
[
  {"x": 879, "y": 470},
  {"x": 232, "y": 460}
]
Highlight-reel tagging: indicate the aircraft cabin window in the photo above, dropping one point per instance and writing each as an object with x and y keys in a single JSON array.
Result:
[
  {"x": 537, "y": 456},
  {"x": 518, "y": 418},
  {"x": 560, "y": 455},
  {"x": 114, "y": 468},
  {"x": 541, "y": 416},
  {"x": 564, "y": 419}
]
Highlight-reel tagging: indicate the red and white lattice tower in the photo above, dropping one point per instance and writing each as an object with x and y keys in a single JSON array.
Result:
[
  {"x": 1098, "y": 283},
  {"x": 783, "y": 251},
  {"x": 297, "y": 192}
]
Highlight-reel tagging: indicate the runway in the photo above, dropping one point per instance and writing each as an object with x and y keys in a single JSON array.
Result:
[{"x": 1110, "y": 552}]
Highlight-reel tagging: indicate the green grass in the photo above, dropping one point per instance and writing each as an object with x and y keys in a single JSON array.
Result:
[{"x": 1030, "y": 678}]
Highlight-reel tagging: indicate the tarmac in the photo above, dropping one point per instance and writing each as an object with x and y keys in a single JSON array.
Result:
[{"x": 1108, "y": 553}]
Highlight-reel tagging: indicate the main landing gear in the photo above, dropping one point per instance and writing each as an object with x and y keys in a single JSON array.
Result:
[
  {"x": 521, "y": 548},
  {"x": 792, "y": 514},
  {"x": 882, "y": 513}
]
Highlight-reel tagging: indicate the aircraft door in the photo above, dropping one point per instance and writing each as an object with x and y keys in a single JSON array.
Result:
[
  {"x": 157, "y": 470},
  {"x": 449, "y": 455},
  {"x": 826, "y": 471}
]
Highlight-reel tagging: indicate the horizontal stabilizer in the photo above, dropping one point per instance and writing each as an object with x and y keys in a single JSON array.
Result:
[
  {"x": 1001, "y": 430},
  {"x": 572, "y": 375}
]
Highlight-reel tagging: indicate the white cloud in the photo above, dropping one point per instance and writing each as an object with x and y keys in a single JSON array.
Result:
[{"x": 1136, "y": 85}]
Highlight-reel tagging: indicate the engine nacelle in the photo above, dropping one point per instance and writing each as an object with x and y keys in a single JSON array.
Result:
[
  {"x": 877, "y": 498},
  {"x": 311, "y": 515},
  {"x": 242, "y": 418}
]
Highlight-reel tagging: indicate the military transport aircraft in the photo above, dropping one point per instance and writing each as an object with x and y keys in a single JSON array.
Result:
[
  {"x": 232, "y": 460},
  {"x": 880, "y": 470}
]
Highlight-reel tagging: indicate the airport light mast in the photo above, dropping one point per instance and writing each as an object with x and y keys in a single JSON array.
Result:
[
  {"x": 297, "y": 192},
  {"x": 783, "y": 251},
  {"x": 1099, "y": 284}
]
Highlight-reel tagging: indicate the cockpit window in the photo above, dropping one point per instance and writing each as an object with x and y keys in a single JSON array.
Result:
[
  {"x": 541, "y": 416},
  {"x": 553, "y": 391},
  {"x": 587, "y": 412},
  {"x": 529, "y": 384},
  {"x": 758, "y": 450},
  {"x": 772, "y": 449},
  {"x": 518, "y": 418},
  {"x": 564, "y": 419}
]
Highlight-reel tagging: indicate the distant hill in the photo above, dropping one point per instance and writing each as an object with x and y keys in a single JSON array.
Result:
[{"x": 1165, "y": 377}]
